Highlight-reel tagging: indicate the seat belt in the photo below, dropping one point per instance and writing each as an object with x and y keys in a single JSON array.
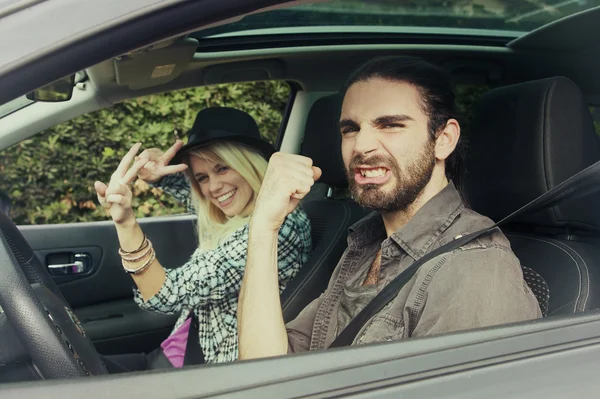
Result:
[
  {"x": 193, "y": 351},
  {"x": 579, "y": 185}
]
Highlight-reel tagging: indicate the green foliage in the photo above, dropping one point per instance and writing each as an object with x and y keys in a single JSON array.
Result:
[
  {"x": 50, "y": 177},
  {"x": 466, "y": 98},
  {"x": 595, "y": 111}
]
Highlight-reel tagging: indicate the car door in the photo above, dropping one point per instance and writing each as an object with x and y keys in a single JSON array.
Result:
[{"x": 83, "y": 259}]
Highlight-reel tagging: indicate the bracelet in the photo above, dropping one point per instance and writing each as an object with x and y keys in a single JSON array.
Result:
[
  {"x": 142, "y": 268},
  {"x": 145, "y": 250},
  {"x": 148, "y": 249},
  {"x": 143, "y": 245},
  {"x": 137, "y": 260}
]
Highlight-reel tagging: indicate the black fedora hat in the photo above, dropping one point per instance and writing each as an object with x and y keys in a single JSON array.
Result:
[{"x": 223, "y": 123}]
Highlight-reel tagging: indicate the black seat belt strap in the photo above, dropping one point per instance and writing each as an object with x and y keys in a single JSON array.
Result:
[
  {"x": 583, "y": 183},
  {"x": 193, "y": 351}
]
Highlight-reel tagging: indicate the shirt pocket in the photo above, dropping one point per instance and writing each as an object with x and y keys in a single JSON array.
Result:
[{"x": 383, "y": 327}]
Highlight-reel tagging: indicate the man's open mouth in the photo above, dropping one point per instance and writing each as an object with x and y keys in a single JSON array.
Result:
[
  {"x": 371, "y": 175},
  {"x": 373, "y": 172}
]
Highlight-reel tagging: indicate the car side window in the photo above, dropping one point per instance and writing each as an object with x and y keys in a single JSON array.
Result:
[
  {"x": 595, "y": 111},
  {"x": 467, "y": 96},
  {"x": 49, "y": 177}
]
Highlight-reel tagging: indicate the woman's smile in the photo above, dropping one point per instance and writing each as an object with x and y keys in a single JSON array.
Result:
[{"x": 227, "y": 198}]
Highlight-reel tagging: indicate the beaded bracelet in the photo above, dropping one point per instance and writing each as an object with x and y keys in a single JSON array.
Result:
[
  {"x": 147, "y": 250},
  {"x": 142, "y": 268}
]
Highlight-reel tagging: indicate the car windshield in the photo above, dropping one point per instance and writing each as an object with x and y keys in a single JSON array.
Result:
[{"x": 510, "y": 17}]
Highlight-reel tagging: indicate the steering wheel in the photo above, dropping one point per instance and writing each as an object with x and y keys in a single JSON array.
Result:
[{"x": 38, "y": 313}]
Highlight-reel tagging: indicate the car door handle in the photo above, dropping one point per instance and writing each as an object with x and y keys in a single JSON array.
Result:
[{"x": 82, "y": 263}]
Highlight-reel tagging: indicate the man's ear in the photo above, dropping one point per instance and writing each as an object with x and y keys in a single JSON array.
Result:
[{"x": 447, "y": 140}]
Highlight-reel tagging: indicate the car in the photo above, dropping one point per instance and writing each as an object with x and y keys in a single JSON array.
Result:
[{"x": 526, "y": 81}]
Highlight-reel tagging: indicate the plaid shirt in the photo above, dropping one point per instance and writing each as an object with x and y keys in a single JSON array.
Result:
[{"x": 209, "y": 283}]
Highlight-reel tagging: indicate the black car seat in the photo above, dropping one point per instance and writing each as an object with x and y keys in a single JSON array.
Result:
[
  {"x": 526, "y": 139},
  {"x": 330, "y": 217}
]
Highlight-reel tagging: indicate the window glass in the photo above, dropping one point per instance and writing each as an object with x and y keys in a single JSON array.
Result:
[
  {"x": 595, "y": 111},
  {"x": 50, "y": 177},
  {"x": 467, "y": 96},
  {"x": 489, "y": 17}
]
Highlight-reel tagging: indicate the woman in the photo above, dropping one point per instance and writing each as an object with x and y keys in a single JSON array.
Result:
[{"x": 225, "y": 161}]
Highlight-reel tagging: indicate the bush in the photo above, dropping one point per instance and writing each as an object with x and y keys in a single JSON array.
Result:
[{"x": 50, "y": 177}]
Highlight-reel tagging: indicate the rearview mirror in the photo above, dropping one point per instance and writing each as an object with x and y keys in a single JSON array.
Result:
[{"x": 60, "y": 90}]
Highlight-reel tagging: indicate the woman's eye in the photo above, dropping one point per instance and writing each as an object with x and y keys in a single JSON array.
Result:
[
  {"x": 348, "y": 130},
  {"x": 222, "y": 169},
  {"x": 202, "y": 179}
]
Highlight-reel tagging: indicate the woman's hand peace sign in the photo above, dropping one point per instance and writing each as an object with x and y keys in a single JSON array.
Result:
[
  {"x": 116, "y": 197},
  {"x": 158, "y": 163}
]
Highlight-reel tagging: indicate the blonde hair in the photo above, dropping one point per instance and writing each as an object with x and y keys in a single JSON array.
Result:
[{"x": 213, "y": 225}]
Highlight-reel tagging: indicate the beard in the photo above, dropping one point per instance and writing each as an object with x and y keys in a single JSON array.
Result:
[{"x": 410, "y": 180}]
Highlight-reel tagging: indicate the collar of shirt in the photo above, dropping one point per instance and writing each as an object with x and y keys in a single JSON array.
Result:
[{"x": 417, "y": 236}]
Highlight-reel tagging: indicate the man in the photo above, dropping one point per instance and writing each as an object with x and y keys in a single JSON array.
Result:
[{"x": 399, "y": 145}]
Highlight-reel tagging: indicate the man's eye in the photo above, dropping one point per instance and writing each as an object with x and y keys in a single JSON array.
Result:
[
  {"x": 348, "y": 130},
  {"x": 393, "y": 126}
]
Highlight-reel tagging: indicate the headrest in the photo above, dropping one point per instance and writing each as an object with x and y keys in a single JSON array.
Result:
[
  {"x": 323, "y": 142},
  {"x": 526, "y": 139}
]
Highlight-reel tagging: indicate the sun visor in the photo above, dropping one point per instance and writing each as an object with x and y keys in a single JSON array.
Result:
[
  {"x": 244, "y": 72},
  {"x": 154, "y": 66}
]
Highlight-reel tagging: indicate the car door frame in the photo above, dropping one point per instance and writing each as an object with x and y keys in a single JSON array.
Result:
[{"x": 523, "y": 360}]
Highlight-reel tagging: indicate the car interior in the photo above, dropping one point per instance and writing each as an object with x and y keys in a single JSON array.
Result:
[{"x": 531, "y": 126}]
